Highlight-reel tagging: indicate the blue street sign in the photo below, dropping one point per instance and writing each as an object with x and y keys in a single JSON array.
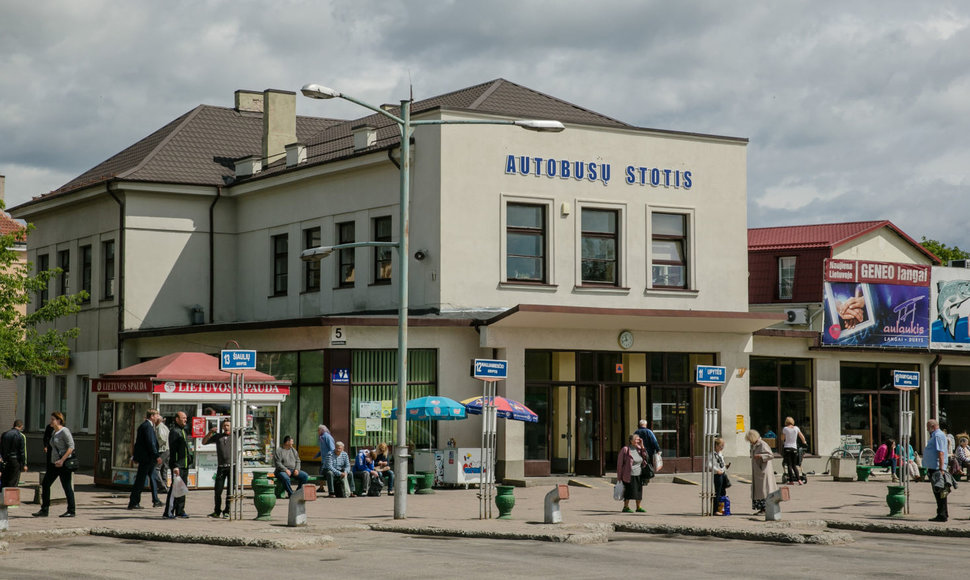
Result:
[
  {"x": 237, "y": 360},
  {"x": 340, "y": 376},
  {"x": 906, "y": 380},
  {"x": 490, "y": 370},
  {"x": 708, "y": 375}
]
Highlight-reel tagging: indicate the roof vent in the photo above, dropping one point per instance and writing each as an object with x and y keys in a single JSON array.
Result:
[
  {"x": 364, "y": 136},
  {"x": 295, "y": 154},
  {"x": 249, "y": 101},
  {"x": 249, "y": 166}
]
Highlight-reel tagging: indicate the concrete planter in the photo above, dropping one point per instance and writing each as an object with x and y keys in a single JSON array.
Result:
[{"x": 843, "y": 469}]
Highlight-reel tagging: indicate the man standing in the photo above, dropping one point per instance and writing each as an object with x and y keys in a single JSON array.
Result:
[
  {"x": 648, "y": 438},
  {"x": 327, "y": 445},
  {"x": 179, "y": 460},
  {"x": 934, "y": 460},
  {"x": 146, "y": 456},
  {"x": 223, "y": 441},
  {"x": 161, "y": 471},
  {"x": 13, "y": 455},
  {"x": 287, "y": 462}
]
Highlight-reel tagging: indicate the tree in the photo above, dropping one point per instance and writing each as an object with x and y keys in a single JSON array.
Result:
[
  {"x": 944, "y": 252},
  {"x": 24, "y": 348}
]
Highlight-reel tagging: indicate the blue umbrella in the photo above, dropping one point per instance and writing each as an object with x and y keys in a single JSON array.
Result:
[{"x": 433, "y": 408}]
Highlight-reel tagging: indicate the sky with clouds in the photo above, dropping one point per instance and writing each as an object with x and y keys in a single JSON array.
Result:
[{"x": 854, "y": 111}]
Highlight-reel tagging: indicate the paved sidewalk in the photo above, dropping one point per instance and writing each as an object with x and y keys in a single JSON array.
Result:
[{"x": 589, "y": 515}]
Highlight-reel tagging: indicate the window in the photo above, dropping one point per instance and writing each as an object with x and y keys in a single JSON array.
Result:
[
  {"x": 83, "y": 390},
  {"x": 37, "y": 405},
  {"x": 280, "y": 257},
  {"x": 786, "y": 277},
  {"x": 781, "y": 388},
  {"x": 311, "y": 270},
  {"x": 345, "y": 264},
  {"x": 870, "y": 404},
  {"x": 600, "y": 247},
  {"x": 669, "y": 250},
  {"x": 86, "y": 272},
  {"x": 43, "y": 265},
  {"x": 382, "y": 255},
  {"x": 108, "y": 269},
  {"x": 60, "y": 388},
  {"x": 64, "y": 263},
  {"x": 525, "y": 243}
]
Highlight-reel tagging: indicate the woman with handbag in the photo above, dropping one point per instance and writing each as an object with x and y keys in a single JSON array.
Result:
[
  {"x": 62, "y": 467},
  {"x": 631, "y": 462}
]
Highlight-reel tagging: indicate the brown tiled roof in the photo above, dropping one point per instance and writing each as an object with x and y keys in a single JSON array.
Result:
[
  {"x": 821, "y": 236},
  {"x": 8, "y": 225}
]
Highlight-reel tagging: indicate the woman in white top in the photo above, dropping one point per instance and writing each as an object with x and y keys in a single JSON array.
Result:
[{"x": 789, "y": 457}]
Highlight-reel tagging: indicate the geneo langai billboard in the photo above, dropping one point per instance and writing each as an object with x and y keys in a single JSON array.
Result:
[
  {"x": 878, "y": 304},
  {"x": 951, "y": 306}
]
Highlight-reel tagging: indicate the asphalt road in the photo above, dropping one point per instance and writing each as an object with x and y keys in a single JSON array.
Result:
[{"x": 376, "y": 554}]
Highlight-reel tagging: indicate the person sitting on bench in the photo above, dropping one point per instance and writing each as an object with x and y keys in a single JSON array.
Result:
[{"x": 287, "y": 462}]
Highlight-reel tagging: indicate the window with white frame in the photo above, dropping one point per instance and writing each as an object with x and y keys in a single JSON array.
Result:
[
  {"x": 37, "y": 405},
  {"x": 786, "y": 277},
  {"x": 83, "y": 390},
  {"x": 525, "y": 236},
  {"x": 668, "y": 250},
  {"x": 600, "y": 246}
]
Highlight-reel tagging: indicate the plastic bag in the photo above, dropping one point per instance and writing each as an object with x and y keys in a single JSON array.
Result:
[
  {"x": 179, "y": 489},
  {"x": 618, "y": 491},
  {"x": 658, "y": 462}
]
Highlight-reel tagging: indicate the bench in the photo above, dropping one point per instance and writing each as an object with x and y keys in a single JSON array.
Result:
[
  {"x": 864, "y": 471},
  {"x": 280, "y": 489}
]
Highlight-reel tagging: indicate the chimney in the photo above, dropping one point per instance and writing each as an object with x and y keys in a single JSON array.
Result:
[
  {"x": 3, "y": 180},
  {"x": 364, "y": 136},
  {"x": 279, "y": 123},
  {"x": 295, "y": 154},
  {"x": 249, "y": 166},
  {"x": 249, "y": 101}
]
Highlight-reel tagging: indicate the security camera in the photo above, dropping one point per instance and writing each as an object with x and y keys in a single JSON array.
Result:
[{"x": 420, "y": 255}]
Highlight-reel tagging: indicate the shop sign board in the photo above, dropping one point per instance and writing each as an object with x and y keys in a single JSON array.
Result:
[
  {"x": 182, "y": 387},
  {"x": 906, "y": 380},
  {"x": 711, "y": 375},
  {"x": 950, "y": 309},
  {"x": 490, "y": 370},
  {"x": 121, "y": 386},
  {"x": 198, "y": 427},
  {"x": 876, "y": 304},
  {"x": 237, "y": 360}
]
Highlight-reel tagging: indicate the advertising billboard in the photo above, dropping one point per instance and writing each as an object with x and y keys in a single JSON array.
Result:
[
  {"x": 950, "y": 306},
  {"x": 876, "y": 304}
]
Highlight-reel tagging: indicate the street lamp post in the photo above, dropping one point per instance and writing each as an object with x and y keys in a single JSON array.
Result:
[{"x": 405, "y": 124}]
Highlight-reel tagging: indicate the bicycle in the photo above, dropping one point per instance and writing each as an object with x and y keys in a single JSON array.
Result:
[{"x": 850, "y": 446}]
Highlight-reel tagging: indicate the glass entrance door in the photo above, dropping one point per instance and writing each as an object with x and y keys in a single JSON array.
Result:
[
  {"x": 589, "y": 431},
  {"x": 670, "y": 411}
]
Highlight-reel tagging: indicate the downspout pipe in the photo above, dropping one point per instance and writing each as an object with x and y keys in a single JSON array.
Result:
[
  {"x": 212, "y": 253},
  {"x": 112, "y": 187}
]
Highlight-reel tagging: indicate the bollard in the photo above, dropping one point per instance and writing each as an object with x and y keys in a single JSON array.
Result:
[
  {"x": 296, "y": 514},
  {"x": 552, "y": 511},
  {"x": 9, "y": 497},
  {"x": 773, "y": 503}
]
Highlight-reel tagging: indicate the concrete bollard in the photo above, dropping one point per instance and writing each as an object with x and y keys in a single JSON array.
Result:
[
  {"x": 551, "y": 508},
  {"x": 9, "y": 497},
  {"x": 773, "y": 503},
  {"x": 296, "y": 514}
]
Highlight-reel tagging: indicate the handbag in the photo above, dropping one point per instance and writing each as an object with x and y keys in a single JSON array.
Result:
[
  {"x": 658, "y": 461},
  {"x": 179, "y": 489},
  {"x": 647, "y": 471},
  {"x": 72, "y": 463},
  {"x": 618, "y": 491}
]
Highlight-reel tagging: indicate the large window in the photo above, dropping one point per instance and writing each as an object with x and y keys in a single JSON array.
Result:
[
  {"x": 82, "y": 410},
  {"x": 669, "y": 250},
  {"x": 525, "y": 243},
  {"x": 37, "y": 405},
  {"x": 43, "y": 265},
  {"x": 869, "y": 402},
  {"x": 64, "y": 263},
  {"x": 85, "y": 266},
  {"x": 345, "y": 274},
  {"x": 781, "y": 388},
  {"x": 382, "y": 255},
  {"x": 786, "y": 277},
  {"x": 303, "y": 409},
  {"x": 600, "y": 247},
  {"x": 311, "y": 270},
  {"x": 108, "y": 269},
  {"x": 954, "y": 384},
  {"x": 280, "y": 264}
]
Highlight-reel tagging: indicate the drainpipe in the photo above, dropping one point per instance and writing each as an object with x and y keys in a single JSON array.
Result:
[
  {"x": 212, "y": 252},
  {"x": 934, "y": 386},
  {"x": 111, "y": 187}
]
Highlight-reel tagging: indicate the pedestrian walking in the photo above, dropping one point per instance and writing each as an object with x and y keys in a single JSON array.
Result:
[
  {"x": 648, "y": 439},
  {"x": 179, "y": 461},
  {"x": 790, "y": 462},
  {"x": 223, "y": 443},
  {"x": 147, "y": 457},
  {"x": 61, "y": 448},
  {"x": 631, "y": 462},
  {"x": 13, "y": 455},
  {"x": 934, "y": 460},
  {"x": 327, "y": 445},
  {"x": 762, "y": 473},
  {"x": 161, "y": 469}
]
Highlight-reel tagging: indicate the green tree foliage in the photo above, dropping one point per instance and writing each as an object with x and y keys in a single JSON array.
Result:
[
  {"x": 943, "y": 251},
  {"x": 28, "y": 342}
]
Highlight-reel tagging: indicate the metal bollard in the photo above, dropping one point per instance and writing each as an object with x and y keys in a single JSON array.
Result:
[
  {"x": 551, "y": 509},
  {"x": 773, "y": 503},
  {"x": 9, "y": 497},
  {"x": 296, "y": 514}
]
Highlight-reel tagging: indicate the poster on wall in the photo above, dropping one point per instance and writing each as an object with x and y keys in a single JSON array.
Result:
[
  {"x": 877, "y": 304},
  {"x": 950, "y": 307}
]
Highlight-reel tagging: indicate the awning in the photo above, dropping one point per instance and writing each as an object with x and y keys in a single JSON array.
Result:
[{"x": 641, "y": 319}]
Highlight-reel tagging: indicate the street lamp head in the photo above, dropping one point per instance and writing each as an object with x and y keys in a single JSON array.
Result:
[
  {"x": 540, "y": 126},
  {"x": 315, "y": 91},
  {"x": 316, "y": 254}
]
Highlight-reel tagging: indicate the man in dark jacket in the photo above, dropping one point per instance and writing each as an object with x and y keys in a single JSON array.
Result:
[
  {"x": 179, "y": 460},
  {"x": 649, "y": 439},
  {"x": 13, "y": 454},
  {"x": 147, "y": 457},
  {"x": 223, "y": 442}
]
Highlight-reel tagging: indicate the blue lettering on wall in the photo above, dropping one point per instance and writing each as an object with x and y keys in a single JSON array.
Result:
[{"x": 593, "y": 171}]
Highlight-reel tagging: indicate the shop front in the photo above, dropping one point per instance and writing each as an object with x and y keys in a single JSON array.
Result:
[{"x": 193, "y": 384}]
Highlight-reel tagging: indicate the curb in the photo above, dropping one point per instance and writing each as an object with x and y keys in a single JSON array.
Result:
[
  {"x": 780, "y": 536},
  {"x": 594, "y": 536},
  {"x": 900, "y": 528},
  {"x": 215, "y": 540}
]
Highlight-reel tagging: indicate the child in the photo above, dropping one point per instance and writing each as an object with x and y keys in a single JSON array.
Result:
[{"x": 721, "y": 480}]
